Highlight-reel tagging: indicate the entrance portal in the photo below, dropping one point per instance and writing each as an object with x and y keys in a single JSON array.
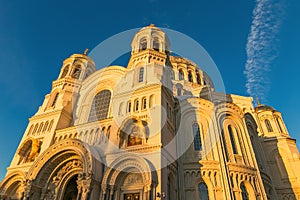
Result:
[
  {"x": 132, "y": 196},
  {"x": 71, "y": 190}
]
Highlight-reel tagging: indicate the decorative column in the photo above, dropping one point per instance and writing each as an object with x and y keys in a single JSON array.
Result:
[{"x": 85, "y": 184}]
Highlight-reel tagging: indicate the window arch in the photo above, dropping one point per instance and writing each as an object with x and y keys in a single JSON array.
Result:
[
  {"x": 190, "y": 76},
  {"x": 143, "y": 44},
  {"x": 65, "y": 71},
  {"x": 136, "y": 105},
  {"x": 181, "y": 75},
  {"x": 35, "y": 129},
  {"x": 129, "y": 106},
  {"x": 144, "y": 103},
  {"x": 156, "y": 44},
  {"x": 54, "y": 100},
  {"x": 100, "y": 106},
  {"x": 76, "y": 73},
  {"x": 46, "y": 126},
  {"x": 203, "y": 191},
  {"x": 41, "y": 127},
  {"x": 30, "y": 130},
  {"x": 279, "y": 124},
  {"x": 197, "y": 137},
  {"x": 141, "y": 74},
  {"x": 51, "y": 124},
  {"x": 268, "y": 125},
  {"x": 232, "y": 140},
  {"x": 198, "y": 79},
  {"x": 245, "y": 195}
]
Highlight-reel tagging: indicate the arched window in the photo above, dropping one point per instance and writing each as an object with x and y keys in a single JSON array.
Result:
[
  {"x": 268, "y": 125},
  {"x": 181, "y": 75},
  {"x": 202, "y": 191},
  {"x": 143, "y": 44},
  {"x": 30, "y": 130},
  {"x": 279, "y": 124},
  {"x": 245, "y": 195},
  {"x": 232, "y": 140},
  {"x": 141, "y": 74},
  {"x": 198, "y": 79},
  {"x": 156, "y": 44},
  {"x": 136, "y": 105},
  {"x": 129, "y": 106},
  {"x": 41, "y": 127},
  {"x": 35, "y": 129},
  {"x": 76, "y": 73},
  {"x": 65, "y": 72},
  {"x": 51, "y": 124},
  {"x": 197, "y": 137},
  {"x": 54, "y": 99},
  {"x": 144, "y": 103},
  {"x": 46, "y": 126},
  {"x": 190, "y": 76},
  {"x": 100, "y": 106}
]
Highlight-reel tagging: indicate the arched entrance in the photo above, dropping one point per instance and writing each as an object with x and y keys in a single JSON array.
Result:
[
  {"x": 127, "y": 178},
  {"x": 71, "y": 189}
]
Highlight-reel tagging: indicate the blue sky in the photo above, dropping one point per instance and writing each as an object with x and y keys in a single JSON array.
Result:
[{"x": 36, "y": 36}]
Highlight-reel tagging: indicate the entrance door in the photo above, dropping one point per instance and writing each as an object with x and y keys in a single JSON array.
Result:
[{"x": 132, "y": 196}]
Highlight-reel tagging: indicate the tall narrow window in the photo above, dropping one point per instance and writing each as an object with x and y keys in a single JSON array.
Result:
[
  {"x": 279, "y": 125},
  {"x": 180, "y": 75},
  {"x": 245, "y": 195},
  {"x": 190, "y": 76},
  {"x": 197, "y": 137},
  {"x": 203, "y": 192},
  {"x": 156, "y": 44},
  {"x": 198, "y": 79},
  {"x": 232, "y": 140},
  {"x": 143, "y": 44},
  {"x": 141, "y": 74},
  {"x": 268, "y": 125},
  {"x": 136, "y": 105},
  {"x": 144, "y": 103},
  {"x": 65, "y": 72},
  {"x": 100, "y": 106},
  {"x": 129, "y": 106},
  {"x": 54, "y": 99},
  {"x": 76, "y": 73}
]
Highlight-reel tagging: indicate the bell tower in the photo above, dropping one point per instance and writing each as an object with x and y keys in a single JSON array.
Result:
[
  {"x": 56, "y": 112},
  {"x": 149, "y": 45},
  {"x": 280, "y": 151}
]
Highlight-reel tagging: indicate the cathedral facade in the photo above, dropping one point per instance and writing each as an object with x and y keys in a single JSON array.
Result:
[{"x": 155, "y": 129}]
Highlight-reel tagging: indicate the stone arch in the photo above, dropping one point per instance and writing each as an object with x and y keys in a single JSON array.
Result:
[
  {"x": 128, "y": 164},
  {"x": 133, "y": 131},
  {"x": 12, "y": 186},
  {"x": 249, "y": 189},
  {"x": 29, "y": 150},
  {"x": 58, "y": 164}
]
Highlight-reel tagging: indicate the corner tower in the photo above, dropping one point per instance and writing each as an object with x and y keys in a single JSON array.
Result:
[{"x": 55, "y": 112}]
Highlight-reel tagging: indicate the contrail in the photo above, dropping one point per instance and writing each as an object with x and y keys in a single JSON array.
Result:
[{"x": 261, "y": 46}]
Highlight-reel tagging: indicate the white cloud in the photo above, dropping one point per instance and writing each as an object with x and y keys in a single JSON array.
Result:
[{"x": 261, "y": 46}]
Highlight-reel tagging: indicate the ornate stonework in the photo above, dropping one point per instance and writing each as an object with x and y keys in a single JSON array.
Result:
[{"x": 154, "y": 129}]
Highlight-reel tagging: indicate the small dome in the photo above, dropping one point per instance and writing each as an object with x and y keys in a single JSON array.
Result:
[
  {"x": 150, "y": 37},
  {"x": 263, "y": 107}
]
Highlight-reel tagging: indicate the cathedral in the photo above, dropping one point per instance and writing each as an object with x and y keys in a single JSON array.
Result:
[{"x": 154, "y": 129}]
